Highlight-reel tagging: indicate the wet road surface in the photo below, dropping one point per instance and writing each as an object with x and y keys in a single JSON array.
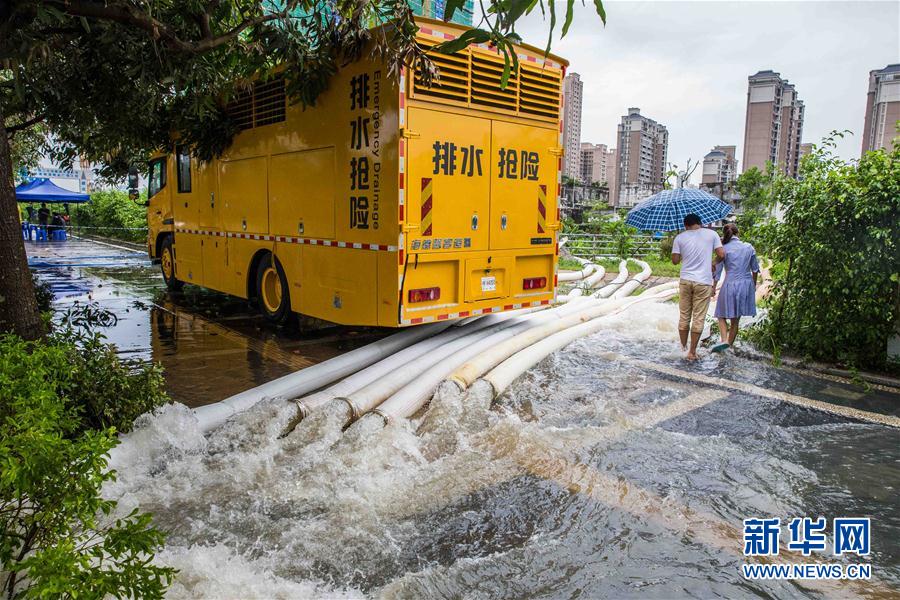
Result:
[{"x": 210, "y": 345}]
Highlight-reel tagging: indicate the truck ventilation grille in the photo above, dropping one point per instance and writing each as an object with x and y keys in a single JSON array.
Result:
[
  {"x": 453, "y": 81},
  {"x": 263, "y": 105},
  {"x": 487, "y": 73},
  {"x": 539, "y": 91},
  {"x": 472, "y": 77}
]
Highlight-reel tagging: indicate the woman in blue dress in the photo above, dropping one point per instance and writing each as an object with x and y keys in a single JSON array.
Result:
[{"x": 737, "y": 297}]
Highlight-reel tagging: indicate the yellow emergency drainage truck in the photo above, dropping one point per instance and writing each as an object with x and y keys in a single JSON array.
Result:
[{"x": 388, "y": 203}]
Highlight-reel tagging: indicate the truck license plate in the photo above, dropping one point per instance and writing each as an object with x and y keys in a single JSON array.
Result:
[{"x": 488, "y": 284}]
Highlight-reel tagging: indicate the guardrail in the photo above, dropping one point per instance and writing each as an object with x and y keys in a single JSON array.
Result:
[{"x": 589, "y": 245}]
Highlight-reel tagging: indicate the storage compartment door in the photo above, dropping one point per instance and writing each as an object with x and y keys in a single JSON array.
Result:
[
  {"x": 448, "y": 187},
  {"x": 523, "y": 185}
]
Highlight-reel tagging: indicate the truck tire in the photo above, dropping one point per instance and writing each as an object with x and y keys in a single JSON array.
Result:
[
  {"x": 272, "y": 291},
  {"x": 167, "y": 264}
]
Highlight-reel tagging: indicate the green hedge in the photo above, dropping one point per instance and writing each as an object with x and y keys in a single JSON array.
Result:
[
  {"x": 62, "y": 399},
  {"x": 111, "y": 213}
]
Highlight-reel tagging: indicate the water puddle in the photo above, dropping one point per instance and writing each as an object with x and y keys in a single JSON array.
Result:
[{"x": 210, "y": 345}]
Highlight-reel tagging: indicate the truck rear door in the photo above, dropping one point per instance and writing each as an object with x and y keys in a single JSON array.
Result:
[
  {"x": 448, "y": 187},
  {"x": 523, "y": 185}
]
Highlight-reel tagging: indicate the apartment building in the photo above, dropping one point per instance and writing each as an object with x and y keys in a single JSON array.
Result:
[
  {"x": 597, "y": 164},
  {"x": 774, "y": 123},
  {"x": 719, "y": 167},
  {"x": 882, "y": 109},
  {"x": 640, "y": 159},
  {"x": 572, "y": 89}
]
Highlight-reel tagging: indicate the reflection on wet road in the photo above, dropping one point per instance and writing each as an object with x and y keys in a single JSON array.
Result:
[{"x": 211, "y": 345}]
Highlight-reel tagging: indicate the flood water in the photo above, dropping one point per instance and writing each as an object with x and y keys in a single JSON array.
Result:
[{"x": 594, "y": 475}]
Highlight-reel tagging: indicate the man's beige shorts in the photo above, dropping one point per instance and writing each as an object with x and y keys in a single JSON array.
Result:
[{"x": 693, "y": 302}]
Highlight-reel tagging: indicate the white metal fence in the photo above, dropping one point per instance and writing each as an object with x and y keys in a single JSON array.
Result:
[{"x": 589, "y": 245}]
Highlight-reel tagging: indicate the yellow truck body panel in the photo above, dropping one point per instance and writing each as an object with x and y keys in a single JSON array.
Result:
[{"x": 387, "y": 203}]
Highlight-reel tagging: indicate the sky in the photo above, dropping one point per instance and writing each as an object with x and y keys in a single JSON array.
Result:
[{"x": 685, "y": 64}]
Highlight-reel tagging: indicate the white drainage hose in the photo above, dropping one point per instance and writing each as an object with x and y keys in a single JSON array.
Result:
[
  {"x": 635, "y": 282},
  {"x": 365, "y": 398},
  {"x": 314, "y": 377},
  {"x": 406, "y": 401},
  {"x": 507, "y": 371},
  {"x": 466, "y": 374},
  {"x": 577, "y": 275},
  {"x": 382, "y": 368},
  {"x": 592, "y": 281},
  {"x": 607, "y": 290}
]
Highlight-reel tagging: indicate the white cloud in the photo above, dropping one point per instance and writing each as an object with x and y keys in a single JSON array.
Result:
[{"x": 686, "y": 64}]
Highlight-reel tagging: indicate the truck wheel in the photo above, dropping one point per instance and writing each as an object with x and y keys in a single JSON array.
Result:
[
  {"x": 167, "y": 263},
  {"x": 272, "y": 291}
]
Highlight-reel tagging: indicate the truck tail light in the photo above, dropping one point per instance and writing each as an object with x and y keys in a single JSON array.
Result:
[
  {"x": 534, "y": 283},
  {"x": 425, "y": 294}
]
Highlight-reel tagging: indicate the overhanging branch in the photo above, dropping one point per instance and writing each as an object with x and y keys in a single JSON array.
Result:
[
  {"x": 158, "y": 30},
  {"x": 12, "y": 129}
]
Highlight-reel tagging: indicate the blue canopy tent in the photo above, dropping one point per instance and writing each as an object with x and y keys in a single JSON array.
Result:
[{"x": 42, "y": 189}]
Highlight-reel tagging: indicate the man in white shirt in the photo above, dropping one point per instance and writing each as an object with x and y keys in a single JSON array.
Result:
[{"x": 693, "y": 248}]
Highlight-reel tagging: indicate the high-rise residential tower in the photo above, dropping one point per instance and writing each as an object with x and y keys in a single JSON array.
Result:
[
  {"x": 882, "y": 109},
  {"x": 572, "y": 90},
  {"x": 774, "y": 125},
  {"x": 640, "y": 159},
  {"x": 597, "y": 162},
  {"x": 719, "y": 167}
]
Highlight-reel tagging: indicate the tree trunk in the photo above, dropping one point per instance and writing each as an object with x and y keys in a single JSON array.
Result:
[{"x": 18, "y": 305}]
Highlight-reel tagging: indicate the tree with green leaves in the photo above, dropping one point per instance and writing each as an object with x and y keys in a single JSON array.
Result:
[
  {"x": 838, "y": 298},
  {"x": 757, "y": 203},
  {"x": 111, "y": 79}
]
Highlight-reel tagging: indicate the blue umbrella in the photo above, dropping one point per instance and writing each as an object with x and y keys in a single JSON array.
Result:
[{"x": 665, "y": 211}]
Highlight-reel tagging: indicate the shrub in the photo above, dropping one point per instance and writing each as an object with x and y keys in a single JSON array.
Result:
[
  {"x": 102, "y": 389},
  {"x": 43, "y": 293},
  {"x": 58, "y": 538},
  {"x": 665, "y": 246},
  {"x": 112, "y": 213},
  {"x": 838, "y": 296}
]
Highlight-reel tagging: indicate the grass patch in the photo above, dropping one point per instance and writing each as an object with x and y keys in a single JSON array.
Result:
[{"x": 569, "y": 263}]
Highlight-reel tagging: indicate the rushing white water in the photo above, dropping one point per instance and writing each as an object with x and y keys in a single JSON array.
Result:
[{"x": 565, "y": 486}]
